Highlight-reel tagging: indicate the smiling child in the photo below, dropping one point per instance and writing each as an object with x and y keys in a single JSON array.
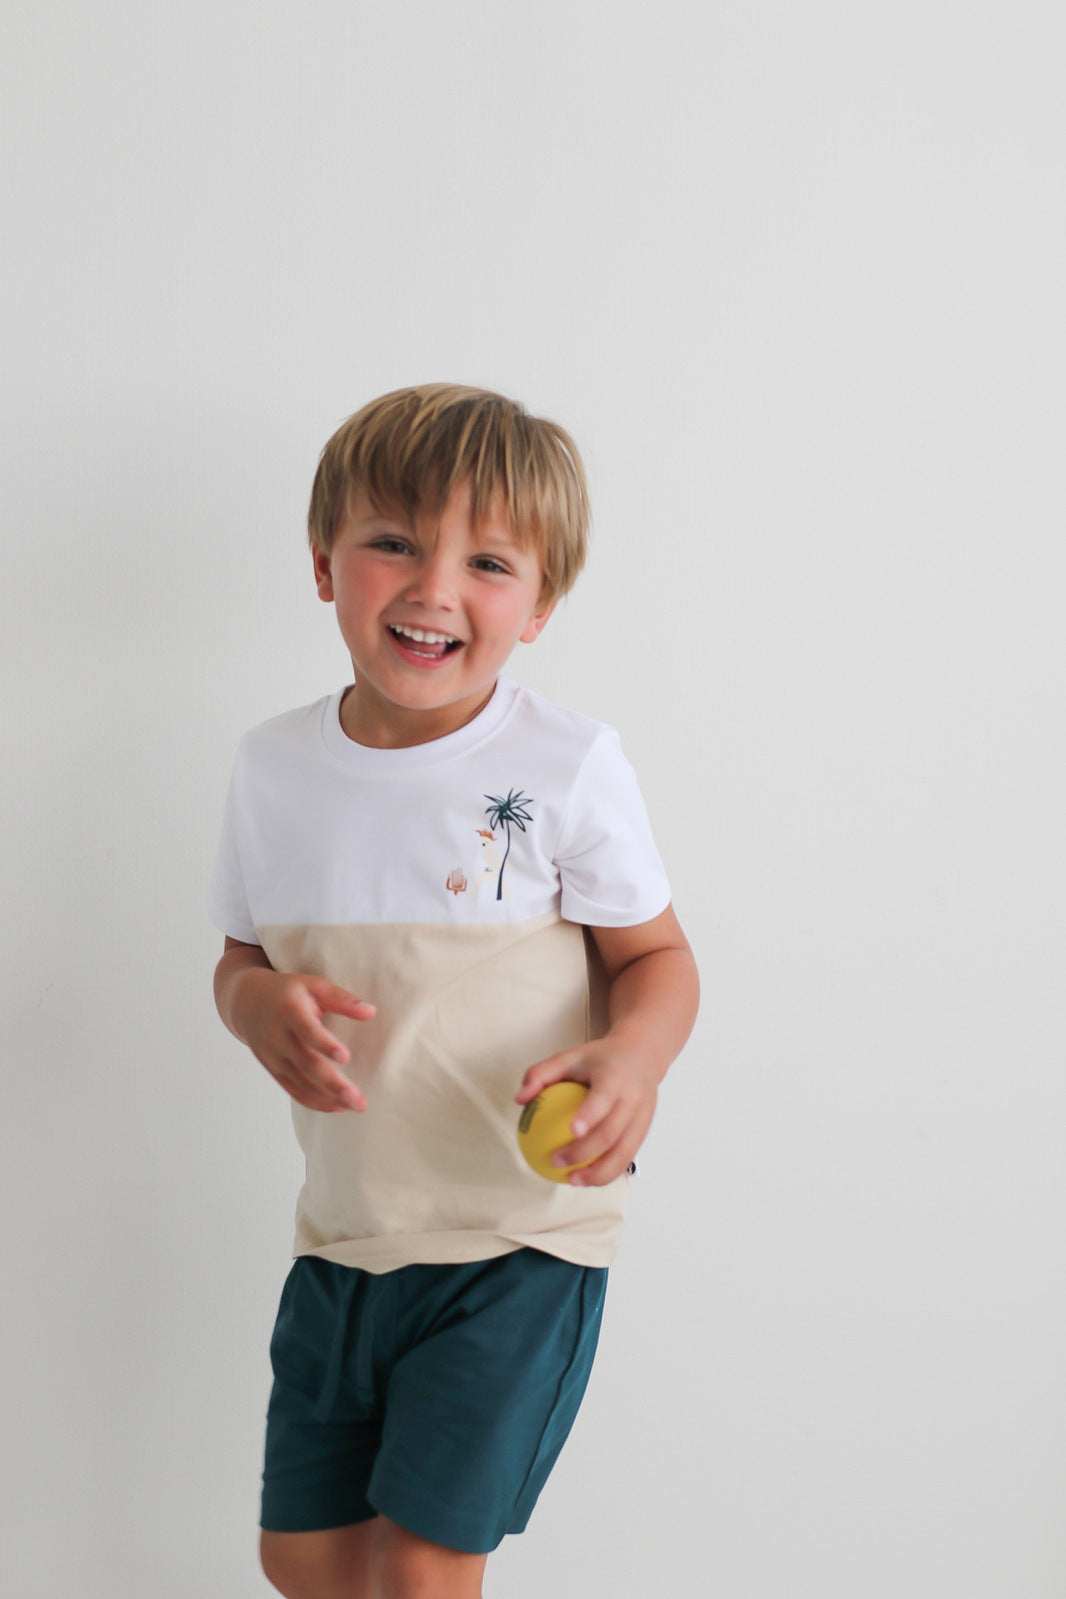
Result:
[{"x": 440, "y": 894}]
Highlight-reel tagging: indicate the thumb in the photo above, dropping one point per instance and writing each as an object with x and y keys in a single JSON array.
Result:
[{"x": 556, "y": 1069}]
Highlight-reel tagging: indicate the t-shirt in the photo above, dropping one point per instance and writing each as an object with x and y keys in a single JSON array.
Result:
[{"x": 448, "y": 884}]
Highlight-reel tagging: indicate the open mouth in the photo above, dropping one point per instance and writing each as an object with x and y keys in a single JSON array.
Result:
[{"x": 424, "y": 642}]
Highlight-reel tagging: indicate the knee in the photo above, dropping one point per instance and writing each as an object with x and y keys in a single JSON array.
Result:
[
  {"x": 332, "y": 1564},
  {"x": 279, "y": 1568},
  {"x": 407, "y": 1567},
  {"x": 287, "y": 1565},
  {"x": 397, "y": 1573},
  {"x": 275, "y": 1567}
]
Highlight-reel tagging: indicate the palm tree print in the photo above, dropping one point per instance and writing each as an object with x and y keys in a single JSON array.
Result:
[{"x": 502, "y": 813}]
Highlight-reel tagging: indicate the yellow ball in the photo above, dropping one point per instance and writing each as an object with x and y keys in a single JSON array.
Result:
[{"x": 544, "y": 1127}]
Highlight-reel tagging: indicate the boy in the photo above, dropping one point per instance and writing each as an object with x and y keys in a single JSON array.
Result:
[{"x": 455, "y": 873}]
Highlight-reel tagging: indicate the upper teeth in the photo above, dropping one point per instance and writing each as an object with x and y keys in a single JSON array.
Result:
[{"x": 420, "y": 636}]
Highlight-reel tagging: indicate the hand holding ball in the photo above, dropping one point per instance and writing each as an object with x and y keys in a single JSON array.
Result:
[{"x": 544, "y": 1127}]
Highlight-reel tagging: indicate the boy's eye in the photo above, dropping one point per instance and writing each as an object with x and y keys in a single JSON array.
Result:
[
  {"x": 488, "y": 563},
  {"x": 387, "y": 542}
]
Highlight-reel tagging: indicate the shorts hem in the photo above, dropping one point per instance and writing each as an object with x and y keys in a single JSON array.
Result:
[
  {"x": 441, "y": 1524},
  {"x": 313, "y": 1512}
]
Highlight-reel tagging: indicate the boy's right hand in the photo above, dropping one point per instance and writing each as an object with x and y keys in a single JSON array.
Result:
[{"x": 279, "y": 1015}]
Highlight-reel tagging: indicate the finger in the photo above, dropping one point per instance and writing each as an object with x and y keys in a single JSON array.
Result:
[
  {"x": 324, "y": 1103},
  {"x": 315, "y": 1040},
  {"x": 600, "y": 1138},
  {"x": 327, "y": 1097},
  {"x": 350, "y": 1098},
  {"x": 321, "y": 1076},
  {"x": 556, "y": 1069},
  {"x": 595, "y": 1108},
  {"x": 341, "y": 1091},
  {"x": 614, "y": 1160},
  {"x": 337, "y": 1001},
  {"x": 606, "y": 1169},
  {"x": 303, "y": 1092}
]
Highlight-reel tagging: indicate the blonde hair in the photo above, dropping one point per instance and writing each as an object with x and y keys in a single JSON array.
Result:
[{"x": 414, "y": 446}]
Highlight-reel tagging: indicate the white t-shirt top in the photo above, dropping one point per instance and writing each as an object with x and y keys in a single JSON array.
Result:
[{"x": 448, "y": 884}]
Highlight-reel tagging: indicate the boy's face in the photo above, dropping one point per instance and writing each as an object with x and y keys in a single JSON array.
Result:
[{"x": 472, "y": 592}]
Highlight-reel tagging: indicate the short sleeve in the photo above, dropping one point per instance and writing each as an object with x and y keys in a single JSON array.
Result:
[
  {"x": 610, "y": 871},
  {"x": 227, "y": 897}
]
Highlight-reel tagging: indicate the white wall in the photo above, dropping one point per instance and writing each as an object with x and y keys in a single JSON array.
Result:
[{"x": 793, "y": 276}]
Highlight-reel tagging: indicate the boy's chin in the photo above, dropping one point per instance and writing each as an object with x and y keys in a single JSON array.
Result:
[{"x": 411, "y": 712}]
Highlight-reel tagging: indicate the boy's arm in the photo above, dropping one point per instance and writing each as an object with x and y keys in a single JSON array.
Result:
[
  {"x": 279, "y": 1015},
  {"x": 652, "y": 1003}
]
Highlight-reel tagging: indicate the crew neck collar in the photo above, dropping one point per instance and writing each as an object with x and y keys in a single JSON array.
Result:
[{"x": 366, "y": 758}]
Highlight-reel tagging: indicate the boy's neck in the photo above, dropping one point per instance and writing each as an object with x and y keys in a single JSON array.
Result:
[{"x": 393, "y": 727}]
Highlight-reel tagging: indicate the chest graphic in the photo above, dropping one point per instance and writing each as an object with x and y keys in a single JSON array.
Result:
[{"x": 504, "y": 814}]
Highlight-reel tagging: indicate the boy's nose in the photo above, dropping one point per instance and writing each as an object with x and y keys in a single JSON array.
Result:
[{"x": 433, "y": 586}]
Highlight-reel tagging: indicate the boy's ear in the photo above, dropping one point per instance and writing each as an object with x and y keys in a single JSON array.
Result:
[
  {"x": 323, "y": 573},
  {"x": 532, "y": 629}
]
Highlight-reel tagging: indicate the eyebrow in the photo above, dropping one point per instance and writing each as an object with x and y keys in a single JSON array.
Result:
[
  {"x": 507, "y": 535},
  {"x": 385, "y": 519},
  {"x": 496, "y": 540}
]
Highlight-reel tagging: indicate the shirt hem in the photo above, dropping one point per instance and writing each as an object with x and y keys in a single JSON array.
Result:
[{"x": 379, "y": 1255}]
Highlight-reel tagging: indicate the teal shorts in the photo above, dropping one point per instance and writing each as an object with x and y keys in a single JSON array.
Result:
[{"x": 439, "y": 1396}]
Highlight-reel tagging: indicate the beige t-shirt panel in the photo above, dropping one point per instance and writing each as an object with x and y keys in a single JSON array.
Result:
[{"x": 431, "y": 1170}]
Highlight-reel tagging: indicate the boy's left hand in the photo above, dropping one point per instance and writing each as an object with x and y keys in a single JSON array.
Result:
[
  {"x": 652, "y": 998},
  {"x": 613, "y": 1121}
]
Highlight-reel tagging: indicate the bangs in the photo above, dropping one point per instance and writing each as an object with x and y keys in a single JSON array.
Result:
[{"x": 413, "y": 447}]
